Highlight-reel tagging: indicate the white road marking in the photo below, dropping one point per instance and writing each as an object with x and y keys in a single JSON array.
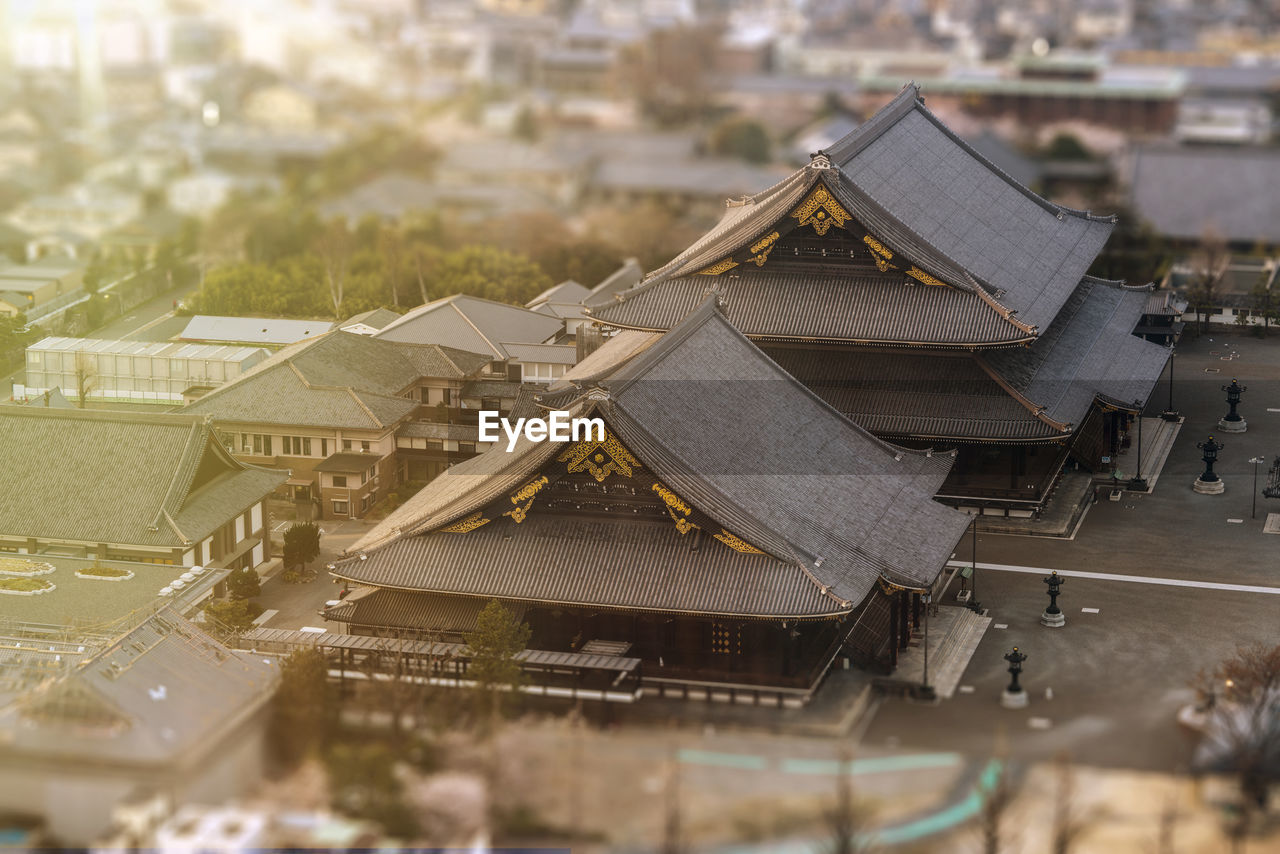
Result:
[
  {"x": 966, "y": 689},
  {"x": 1235, "y": 521},
  {"x": 1039, "y": 723},
  {"x": 1269, "y": 409},
  {"x": 1000, "y": 626},
  {"x": 1134, "y": 579},
  {"x": 1090, "y": 610}
]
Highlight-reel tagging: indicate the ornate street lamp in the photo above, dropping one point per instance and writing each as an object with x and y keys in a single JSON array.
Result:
[
  {"x": 1232, "y": 422},
  {"x": 1272, "y": 489},
  {"x": 1138, "y": 483},
  {"x": 1014, "y": 697},
  {"x": 1053, "y": 616},
  {"x": 1208, "y": 482}
]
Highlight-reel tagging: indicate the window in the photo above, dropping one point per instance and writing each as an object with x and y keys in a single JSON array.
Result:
[
  {"x": 339, "y": 480},
  {"x": 340, "y": 508},
  {"x": 246, "y": 443},
  {"x": 364, "y": 477},
  {"x": 466, "y": 447},
  {"x": 262, "y": 445},
  {"x": 435, "y": 444},
  {"x": 364, "y": 447},
  {"x": 346, "y": 444},
  {"x": 446, "y": 398},
  {"x": 324, "y": 447}
]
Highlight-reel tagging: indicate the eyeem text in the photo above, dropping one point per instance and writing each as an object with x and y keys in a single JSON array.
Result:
[{"x": 558, "y": 428}]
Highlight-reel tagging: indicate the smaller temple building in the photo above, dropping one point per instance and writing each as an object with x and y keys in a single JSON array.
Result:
[{"x": 729, "y": 529}]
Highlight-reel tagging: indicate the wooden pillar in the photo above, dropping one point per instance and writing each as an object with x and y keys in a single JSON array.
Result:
[
  {"x": 915, "y": 611},
  {"x": 904, "y": 637},
  {"x": 893, "y": 631}
]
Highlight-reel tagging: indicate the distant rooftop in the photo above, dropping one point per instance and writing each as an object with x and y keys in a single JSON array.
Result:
[{"x": 252, "y": 330}]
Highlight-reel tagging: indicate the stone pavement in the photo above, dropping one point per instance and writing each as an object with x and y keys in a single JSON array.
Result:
[{"x": 953, "y": 636}]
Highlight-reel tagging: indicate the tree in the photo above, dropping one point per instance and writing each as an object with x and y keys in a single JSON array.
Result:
[
  {"x": 995, "y": 804},
  {"x": 1068, "y": 825},
  {"x": 494, "y": 645},
  {"x": 302, "y": 709},
  {"x": 845, "y": 819},
  {"x": 1209, "y": 266},
  {"x": 243, "y": 583},
  {"x": 1066, "y": 146},
  {"x": 1265, "y": 302},
  {"x": 86, "y": 377},
  {"x": 334, "y": 246},
  {"x": 1243, "y": 734},
  {"x": 363, "y": 783},
  {"x": 491, "y": 273},
  {"x": 741, "y": 137},
  {"x": 231, "y": 616},
  {"x": 301, "y": 544}
]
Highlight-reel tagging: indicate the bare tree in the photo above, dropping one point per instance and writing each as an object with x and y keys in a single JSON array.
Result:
[
  {"x": 845, "y": 819},
  {"x": 671, "y": 830},
  {"x": 1209, "y": 266},
  {"x": 400, "y": 683},
  {"x": 1068, "y": 825},
  {"x": 995, "y": 805},
  {"x": 334, "y": 246},
  {"x": 1243, "y": 732},
  {"x": 392, "y": 245},
  {"x": 86, "y": 377}
]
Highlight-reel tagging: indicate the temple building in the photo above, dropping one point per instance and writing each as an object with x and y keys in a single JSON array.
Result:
[
  {"x": 931, "y": 299},
  {"x": 730, "y": 530}
]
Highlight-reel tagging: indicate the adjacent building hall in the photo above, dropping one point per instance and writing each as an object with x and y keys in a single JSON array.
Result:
[
  {"x": 153, "y": 488},
  {"x": 328, "y": 409},
  {"x": 132, "y": 371}
]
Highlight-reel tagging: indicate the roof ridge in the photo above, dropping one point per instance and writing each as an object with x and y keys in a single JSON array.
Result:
[
  {"x": 485, "y": 338},
  {"x": 1034, "y": 408},
  {"x": 363, "y": 406},
  {"x": 185, "y": 470},
  {"x": 873, "y": 128}
]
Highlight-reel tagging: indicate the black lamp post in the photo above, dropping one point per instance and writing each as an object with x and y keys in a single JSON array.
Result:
[
  {"x": 1014, "y": 697},
  {"x": 1053, "y": 616},
  {"x": 1232, "y": 422},
  {"x": 974, "y": 604},
  {"x": 1208, "y": 482},
  {"x": 1171, "y": 414},
  {"x": 1257, "y": 461}
]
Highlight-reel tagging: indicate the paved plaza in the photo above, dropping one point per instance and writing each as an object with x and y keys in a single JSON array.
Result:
[{"x": 1118, "y": 675}]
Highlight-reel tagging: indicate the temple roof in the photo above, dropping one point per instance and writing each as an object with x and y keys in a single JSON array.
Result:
[
  {"x": 1023, "y": 394},
  {"x": 803, "y": 511},
  {"x": 933, "y": 209}
]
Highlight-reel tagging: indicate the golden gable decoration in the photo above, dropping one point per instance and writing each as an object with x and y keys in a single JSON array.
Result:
[
  {"x": 821, "y": 211},
  {"x": 921, "y": 275},
  {"x": 879, "y": 253},
  {"x": 761, "y": 248},
  {"x": 718, "y": 267},
  {"x": 470, "y": 523},
  {"x": 737, "y": 543},
  {"x": 600, "y": 458}
]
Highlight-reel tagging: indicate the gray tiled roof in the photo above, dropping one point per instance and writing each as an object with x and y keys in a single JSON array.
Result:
[
  {"x": 473, "y": 324},
  {"x": 872, "y": 307},
  {"x": 624, "y": 278},
  {"x": 1236, "y": 191},
  {"x": 919, "y": 395},
  {"x": 567, "y": 292},
  {"x": 402, "y": 609},
  {"x": 708, "y": 414},
  {"x": 929, "y": 197},
  {"x": 376, "y": 318},
  {"x": 559, "y": 354},
  {"x": 1089, "y": 351},
  {"x": 172, "y": 690},
  {"x": 337, "y": 380},
  {"x": 120, "y": 477}
]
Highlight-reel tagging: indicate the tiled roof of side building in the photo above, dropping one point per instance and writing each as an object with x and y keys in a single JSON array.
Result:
[
  {"x": 473, "y": 324},
  {"x": 411, "y": 610},
  {"x": 559, "y": 354},
  {"x": 376, "y": 318},
  {"x": 567, "y": 291},
  {"x": 1089, "y": 352},
  {"x": 116, "y": 477},
  {"x": 165, "y": 691},
  {"x": 833, "y": 508},
  {"x": 339, "y": 379}
]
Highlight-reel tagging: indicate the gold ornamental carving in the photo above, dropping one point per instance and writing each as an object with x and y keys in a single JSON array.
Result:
[
  {"x": 600, "y": 458},
  {"x": 677, "y": 509},
  {"x": 470, "y": 523},
  {"x": 880, "y": 253},
  {"x": 719, "y": 267},
  {"x": 921, "y": 275},
  {"x": 737, "y": 543},
  {"x": 524, "y": 495},
  {"x": 761, "y": 248},
  {"x": 821, "y": 211}
]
